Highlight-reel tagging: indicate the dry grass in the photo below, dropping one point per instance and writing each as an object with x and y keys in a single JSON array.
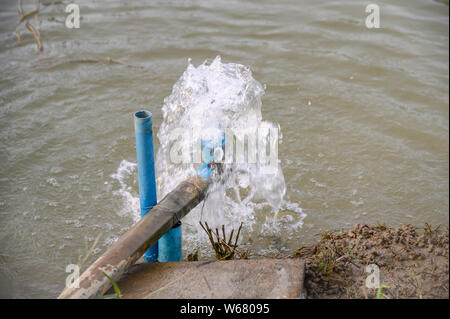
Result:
[{"x": 224, "y": 249}]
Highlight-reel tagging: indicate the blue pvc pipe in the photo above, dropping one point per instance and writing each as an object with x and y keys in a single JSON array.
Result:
[
  {"x": 208, "y": 146},
  {"x": 146, "y": 170},
  {"x": 170, "y": 245}
]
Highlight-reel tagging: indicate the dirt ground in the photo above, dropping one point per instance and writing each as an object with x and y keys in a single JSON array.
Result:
[{"x": 413, "y": 263}]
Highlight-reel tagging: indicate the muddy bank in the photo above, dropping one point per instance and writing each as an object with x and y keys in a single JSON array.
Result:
[{"x": 412, "y": 262}]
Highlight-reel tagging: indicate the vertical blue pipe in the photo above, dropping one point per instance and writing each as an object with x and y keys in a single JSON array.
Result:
[
  {"x": 146, "y": 170},
  {"x": 170, "y": 244}
]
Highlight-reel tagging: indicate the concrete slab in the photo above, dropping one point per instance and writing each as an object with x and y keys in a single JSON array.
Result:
[{"x": 231, "y": 279}]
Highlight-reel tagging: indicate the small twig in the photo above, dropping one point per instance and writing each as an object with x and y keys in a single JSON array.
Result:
[
  {"x": 223, "y": 232},
  {"x": 27, "y": 15},
  {"x": 168, "y": 284},
  {"x": 233, "y": 249},
  {"x": 207, "y": 232},
  {"x": 20, "y": 7},
  {"x": 51, "y": 3},
  {"x": 36, "y": 19},
  {"x": 237, "y": 236},
  {"x": 61, "y": 62},
  {"x": 231, "y": 237},
  {"x": 35, "y": 35},
  {"x": 20, "y": 10},
  {"x": 342, "y": 256},
  {"x": 34, "y": 30},
  {"x": 217, "y": 234},
  {"x": 224, "y": 250},
  {"x": 209, "y": 287},
  {"x": 89, "y": 251}
]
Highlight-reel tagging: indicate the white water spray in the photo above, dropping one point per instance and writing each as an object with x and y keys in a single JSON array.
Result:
[{"x": 212, "y": 97}]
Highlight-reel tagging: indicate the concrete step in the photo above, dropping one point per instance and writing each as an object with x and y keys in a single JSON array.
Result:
[{"x": 230, "y": 279}]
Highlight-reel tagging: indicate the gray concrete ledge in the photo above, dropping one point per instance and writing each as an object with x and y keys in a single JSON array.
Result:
[{"x": 231, "y": 279}]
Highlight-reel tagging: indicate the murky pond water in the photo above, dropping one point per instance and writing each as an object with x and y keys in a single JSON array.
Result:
[{"x": 364, "y": 115}]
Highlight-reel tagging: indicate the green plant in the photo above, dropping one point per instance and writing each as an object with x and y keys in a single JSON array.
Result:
[
  {"x": 349, "y": 252},
  {"x": 418, "y": 284},
  {"x": 82, "y": 260},
  {"x": 117, "y": 294},
  {"x": 326, "y": 260},
  {"x": 380, "y": 293}
]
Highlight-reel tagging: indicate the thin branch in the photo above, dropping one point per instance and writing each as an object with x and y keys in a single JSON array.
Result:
[
  {"x": 20, "y": 10},
  {"x": 209, "y": 287},
  {"x": 223, "y": 232},
  {"x": 36, "y": 35},
  {"x": 208, "y": 233},
  {"x": 237, "y": 236},
  {"x": 52, "y": 63},
  {"x": 231, "y": 237},
  {"x": 224, "y": 250},
  {"x": 34, "y": 30},
  {"x": 168, "y": 284},
  {"x": 36, "y": 18}
]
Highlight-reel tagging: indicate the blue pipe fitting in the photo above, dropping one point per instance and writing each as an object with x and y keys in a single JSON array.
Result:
[{"x": 209, "y": 146}]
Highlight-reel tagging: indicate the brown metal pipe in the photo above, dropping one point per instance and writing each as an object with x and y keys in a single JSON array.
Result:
[{"x": 133, "y": 244}]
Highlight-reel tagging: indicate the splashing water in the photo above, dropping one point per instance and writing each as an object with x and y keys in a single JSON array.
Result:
[
  {"x": 212, "y": 97},
  {"x": 124, "y": 175}
]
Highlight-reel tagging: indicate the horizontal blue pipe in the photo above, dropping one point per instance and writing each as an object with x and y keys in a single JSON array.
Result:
[{"x": 146, "y": 170}]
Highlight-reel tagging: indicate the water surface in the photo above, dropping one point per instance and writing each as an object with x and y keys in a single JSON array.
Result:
[{"x": 363, "y": 113}]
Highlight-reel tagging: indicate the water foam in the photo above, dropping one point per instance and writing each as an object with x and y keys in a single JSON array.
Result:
[
  {"x": 126, "y": 176},
  {"x": 208, "y": 97}
]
